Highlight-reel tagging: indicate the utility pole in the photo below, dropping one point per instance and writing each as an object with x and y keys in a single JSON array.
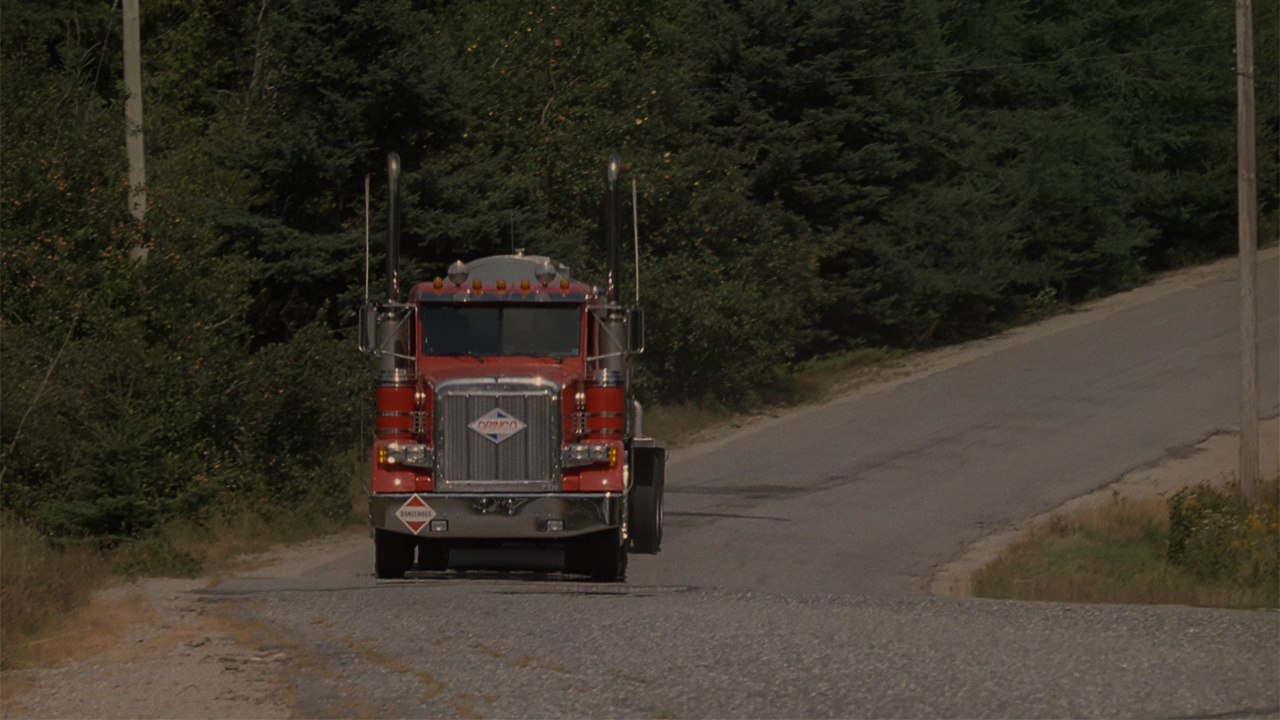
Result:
[
  {"x": 1247, "y": 190},
  {"x": 133, "y": 120}
]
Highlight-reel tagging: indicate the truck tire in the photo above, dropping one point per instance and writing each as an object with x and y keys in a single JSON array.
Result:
[
  {"x": 433, "y": 555},
  {"x": 645, "y": 513},
  {"x": 601, "y": 555},
  {"x": 393, "y": 554}
]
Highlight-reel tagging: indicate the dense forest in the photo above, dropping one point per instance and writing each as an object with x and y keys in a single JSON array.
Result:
[{"x": 813, "y": 177}]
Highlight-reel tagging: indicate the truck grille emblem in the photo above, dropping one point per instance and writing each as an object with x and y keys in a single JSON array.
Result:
[{"x": 497, "y": 425}]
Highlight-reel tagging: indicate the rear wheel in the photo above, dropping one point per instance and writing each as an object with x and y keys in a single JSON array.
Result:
[
  {"x": 601, "y": 555},
  {"x": 393, "y": 554}
]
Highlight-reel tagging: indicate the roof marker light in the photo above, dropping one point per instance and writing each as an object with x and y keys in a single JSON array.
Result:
[
  {"x": 502, "y": 284},
  {"x": 437, "y": 283},
  {"x": 524, "y": 284},
  {"x": 476, "y": 284}
]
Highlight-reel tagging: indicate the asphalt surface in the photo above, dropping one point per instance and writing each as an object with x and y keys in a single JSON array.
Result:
[
  {"x": 798, "y": 550},
  {"x": 869, "y": 493}
]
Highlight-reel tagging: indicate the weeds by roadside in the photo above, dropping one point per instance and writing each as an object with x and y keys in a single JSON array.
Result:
[
  {"x": 1217, "y": 536},
  {"x": 1203, "y": 546}
]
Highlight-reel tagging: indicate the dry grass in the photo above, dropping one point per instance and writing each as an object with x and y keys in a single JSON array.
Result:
[
  {"x": 40, "y": 583},
  {"x": 86, "y": 632},
  {"x": 225, "y": 542},
  {"x": 1116, "y": 553},
  {"x": 677, "y": 424},
  {"x": 822, "y": 378},
  {"x": 220, "y": 542}
]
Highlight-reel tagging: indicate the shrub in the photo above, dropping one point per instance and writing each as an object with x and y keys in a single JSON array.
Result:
[{"x": 1215, "y": 534}]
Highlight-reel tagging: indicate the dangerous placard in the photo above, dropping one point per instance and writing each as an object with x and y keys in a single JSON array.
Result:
[{"x": 415, "y": 513}]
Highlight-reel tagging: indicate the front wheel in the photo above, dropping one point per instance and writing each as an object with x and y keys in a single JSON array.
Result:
[
  {"x": 393, "y": 554},
  {"x": 645, "y": 513},
  {"x": 601, "y": 555}
]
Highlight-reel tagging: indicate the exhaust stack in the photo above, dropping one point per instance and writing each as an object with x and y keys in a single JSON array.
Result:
[
  {"x": 611, "y": 231},
  {"x": 393, "y": 227},
  {"x": 392, "y": 338},
  {"x": 613, "y": 341}
]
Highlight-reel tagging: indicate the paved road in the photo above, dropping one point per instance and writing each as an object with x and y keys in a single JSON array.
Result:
[
  {"x": 868, "y": 493},
  {"x": 792, "y": 577}
]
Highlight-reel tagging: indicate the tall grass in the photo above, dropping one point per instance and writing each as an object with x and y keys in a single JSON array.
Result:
[
  {"x": 1121, "y": 553},
  {"x": 40, "y": 583}
]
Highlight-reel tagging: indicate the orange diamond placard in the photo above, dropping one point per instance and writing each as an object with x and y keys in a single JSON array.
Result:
[{"x": 415, "y": 513}]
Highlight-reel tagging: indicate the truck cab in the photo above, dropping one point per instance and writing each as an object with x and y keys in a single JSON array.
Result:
[{"x": 505, "y": 417}]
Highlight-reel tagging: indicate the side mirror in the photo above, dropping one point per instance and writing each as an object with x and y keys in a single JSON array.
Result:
[
  {"x": 368, "y": 328},
  {"x": 635, "y": 323}
]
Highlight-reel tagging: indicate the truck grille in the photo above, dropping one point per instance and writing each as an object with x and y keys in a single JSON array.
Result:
[{"x": 527, "y": 460}]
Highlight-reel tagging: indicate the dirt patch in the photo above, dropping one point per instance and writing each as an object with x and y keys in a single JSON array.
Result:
[{"x": 150, "y": 650}]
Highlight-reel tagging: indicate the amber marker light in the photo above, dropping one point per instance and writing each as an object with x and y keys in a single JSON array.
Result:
[
  {"x": 524, "y": 284},
  {"x": 502, "y": 284},
  {"x": 476, "y": 284},
  {"x": 564, "y": 285},
  {"x": 437, "y": 283}
]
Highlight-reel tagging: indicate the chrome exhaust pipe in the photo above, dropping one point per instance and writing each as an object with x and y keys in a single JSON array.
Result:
[
  {"x": 393, "y": 228},
  {"x": 613, "y": 342},
  {"x": 611, "y": 228},
  {"x": 391, "y": 337}
]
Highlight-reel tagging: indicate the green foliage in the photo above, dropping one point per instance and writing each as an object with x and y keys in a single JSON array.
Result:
[
  {"x": 814, "y": 178},
  {"x": 1214, "y": 534},
  {"x": 135, "y": 391}
]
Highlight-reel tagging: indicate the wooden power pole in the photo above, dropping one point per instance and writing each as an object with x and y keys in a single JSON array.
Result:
[
  {"x": 1247, "y": 189},
  {"x": 133, "y": 120}
]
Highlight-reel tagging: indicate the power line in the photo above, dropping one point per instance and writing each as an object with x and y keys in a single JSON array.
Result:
[{"x": 1026, "y": 64}]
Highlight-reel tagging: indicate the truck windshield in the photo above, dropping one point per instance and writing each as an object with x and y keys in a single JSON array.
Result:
[{"x": 489, "y": 330}]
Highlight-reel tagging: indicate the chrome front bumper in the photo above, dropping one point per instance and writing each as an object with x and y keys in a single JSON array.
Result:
[{"x": 515, "y": 516}]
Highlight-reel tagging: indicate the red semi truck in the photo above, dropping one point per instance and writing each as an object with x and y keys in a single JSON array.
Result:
[{"x": 505, "y": 414}]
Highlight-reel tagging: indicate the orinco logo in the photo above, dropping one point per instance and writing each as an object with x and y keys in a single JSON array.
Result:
[{"x": 497, "y": 425}]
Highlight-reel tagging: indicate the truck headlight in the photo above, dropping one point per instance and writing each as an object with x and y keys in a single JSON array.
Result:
[
  {"x": 408, "y": 455},
  {"x": 580, "y": 454}
]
